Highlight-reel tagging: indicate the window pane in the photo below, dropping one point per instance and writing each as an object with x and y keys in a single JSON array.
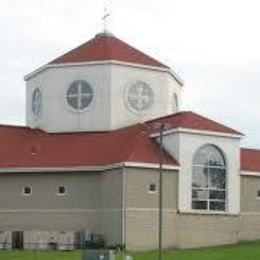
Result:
[
  {"x": 85, "y": 88},
  {"x": 209, "y": 179},
  {"x": 215, "y": 157},
  {"x": 85, "y": 101},
  {"x": 199, "y": 204},
  {"x": 217, "y": 205},
  {"x": 209, "y": 155},
  {"x": 80, "y": 94},
  {"x": 73, "y": 101},
  {"x": 217, "y": 195},
  {"x": 200, "y": 177},
  {"x": 200, "y": 194},
  {"x": 152, "y": 187},
  {"x": 27, "y": 190},
  {"x": 201, "y": 157},
  {"x": 73, "y": 89},
  {"x": 62, "y": 190},
  {"x": 217, "y": 178}
]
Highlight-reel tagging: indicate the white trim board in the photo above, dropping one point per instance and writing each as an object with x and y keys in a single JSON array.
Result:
[
  {"x": 88, "y": 168},
  {"x": 195, "y": 131},
  {"x": 102, "y": 62},
  {"x": 78, "y": 210},
  {"x": 247, "y": 173}
]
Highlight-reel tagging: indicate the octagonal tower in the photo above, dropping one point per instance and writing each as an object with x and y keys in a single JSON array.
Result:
[{"x": 102, "y": 85}]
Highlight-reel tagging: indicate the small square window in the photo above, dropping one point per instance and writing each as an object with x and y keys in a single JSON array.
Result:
[
  {"x": 152, "y": 188},
  {"x": 62, "y": 190},
  {"x": 258, "y": 193},
  {"x": 27, "y": 190}
]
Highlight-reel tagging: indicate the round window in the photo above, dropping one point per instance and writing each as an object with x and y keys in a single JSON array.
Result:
[
  {"x": 140, "y": 97},
  {"x": 80, "y": 95},
  {"x": 37, "y": 102}
]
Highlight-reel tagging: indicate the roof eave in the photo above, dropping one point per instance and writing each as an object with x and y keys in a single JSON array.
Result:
[
  {"x": 129, "y": 164},
  {"x": 196, "y": 131},
  {"x": 102, "y": 62}
]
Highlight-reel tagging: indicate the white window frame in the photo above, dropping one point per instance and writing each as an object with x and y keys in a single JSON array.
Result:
[
  {"x": 27, "y": 194},
  {"x": 62, "y": 194},
  {"x": 208, "y": 210}
]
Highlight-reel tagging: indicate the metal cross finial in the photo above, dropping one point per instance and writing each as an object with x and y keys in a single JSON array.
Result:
[{"x": 105, "y": 17}]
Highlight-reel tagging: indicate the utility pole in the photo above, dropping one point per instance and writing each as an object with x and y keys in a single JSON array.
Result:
[
  {"x": 162, "y": 127},
  {"x": 160, "y": 193}
]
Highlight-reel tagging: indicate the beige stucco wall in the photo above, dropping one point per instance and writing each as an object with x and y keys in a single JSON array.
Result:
[
  {"x": 93, "y": 202},
  {"x": 249, "y": 200},
  {"x": 141, "y": 208},
  {"x": 137, "y": 188},
  {"x": 196, "y": 230},
  {"x": 209, "y": 230},
  {"x": 44, "y": 190},
  {"x": 96, "y": 201},
  {"x": 184, "y": 230}
]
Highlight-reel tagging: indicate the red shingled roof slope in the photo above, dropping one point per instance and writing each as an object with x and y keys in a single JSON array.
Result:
[
  {"x": 25, "y": 147},
  {"x": 107, "y": 47},
  {"x": 191, "y": 120},
  {"x": 250, "y": 160}
]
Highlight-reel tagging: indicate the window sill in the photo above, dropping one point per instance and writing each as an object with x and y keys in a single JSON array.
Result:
[
  {"x": 208, "y": 213},
  {"x": 153, "y": 192}
]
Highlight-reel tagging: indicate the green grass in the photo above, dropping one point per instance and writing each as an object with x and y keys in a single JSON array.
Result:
[
  {"x": 245, "y": 251},
  {"x": 39, "y": 255}
]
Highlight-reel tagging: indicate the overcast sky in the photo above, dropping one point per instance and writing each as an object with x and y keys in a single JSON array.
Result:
[{"x": 213, "y": 45}]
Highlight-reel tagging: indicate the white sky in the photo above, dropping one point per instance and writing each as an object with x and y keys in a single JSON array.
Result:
[{"x": 213, "y": 45}]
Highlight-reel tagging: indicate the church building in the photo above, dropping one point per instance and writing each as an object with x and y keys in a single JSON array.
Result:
[{"x": 88, "y": 159}]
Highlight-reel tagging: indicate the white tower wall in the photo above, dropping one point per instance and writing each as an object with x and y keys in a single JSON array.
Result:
[{"x": 108, "y": 110}]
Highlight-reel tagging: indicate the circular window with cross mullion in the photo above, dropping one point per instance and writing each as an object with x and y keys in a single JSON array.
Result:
[
  {"x": 80, "y": 95},
  {"x": 139, "y": 97},
  {"x": 37, "y": 102}
]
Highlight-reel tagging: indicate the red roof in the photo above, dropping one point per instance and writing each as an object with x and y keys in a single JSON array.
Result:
[
  {"x": 107, "y": 47},
  {"x": 191, "y": 120},
  {"x": 25, "y": 147},
  {"x": 250, "y": 160}
]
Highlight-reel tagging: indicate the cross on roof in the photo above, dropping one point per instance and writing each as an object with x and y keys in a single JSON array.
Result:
[{"x": 105, "y": 18}]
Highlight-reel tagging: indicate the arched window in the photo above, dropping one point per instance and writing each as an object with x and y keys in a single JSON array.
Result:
[{"x": 209, "y": 179}]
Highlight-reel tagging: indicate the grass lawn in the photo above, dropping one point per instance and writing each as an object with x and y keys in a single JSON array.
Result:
[
  {"x": 39, "y": 255},
  {"x": 245, "y": 251}
]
